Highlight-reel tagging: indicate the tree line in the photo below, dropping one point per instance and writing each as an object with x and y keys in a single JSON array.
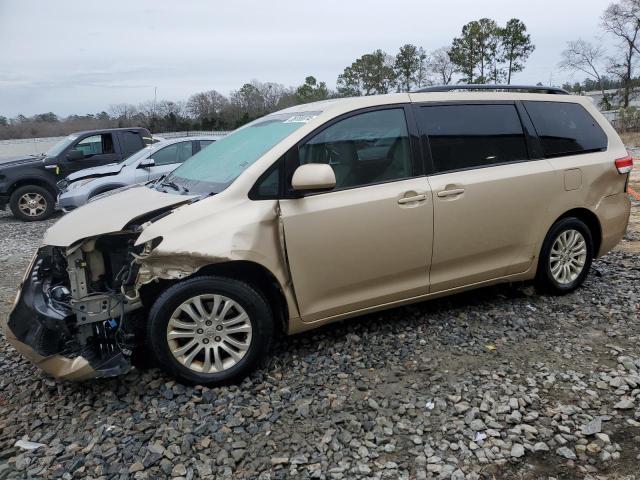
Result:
[
  {"x": 606, "y": 69},
  {"x": 484, "y": 51}
]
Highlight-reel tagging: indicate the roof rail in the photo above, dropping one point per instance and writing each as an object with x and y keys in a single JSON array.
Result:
[{"x": 479, "y": 86}]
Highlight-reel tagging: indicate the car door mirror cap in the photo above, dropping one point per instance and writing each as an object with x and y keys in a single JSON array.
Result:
[
  {"x": 75, "y": 154},
  {"x": 147, "y": 163},
  {"x": 313, "y": 177}
]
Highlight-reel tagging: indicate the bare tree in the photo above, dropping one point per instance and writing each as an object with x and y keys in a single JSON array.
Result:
[
  {"x": 585, "y": 57},
  {"x": 206, "y": 105},
  {"x": 440, "y": 66},
  {"x": 622, "y": 20},
  {"x": 123, "y": 113}
]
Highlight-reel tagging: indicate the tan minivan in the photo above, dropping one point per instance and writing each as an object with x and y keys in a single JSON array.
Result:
[{"x": 318, "y": 213}]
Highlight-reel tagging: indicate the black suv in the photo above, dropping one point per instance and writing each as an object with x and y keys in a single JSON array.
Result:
[{"x": 28, "y": 184}]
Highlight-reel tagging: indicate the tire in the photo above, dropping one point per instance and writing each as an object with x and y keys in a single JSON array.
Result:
[
  {"x": 567, "y": 270},
  {"x": 210, "y": 333},
  {"x": 42, "y": 207}
]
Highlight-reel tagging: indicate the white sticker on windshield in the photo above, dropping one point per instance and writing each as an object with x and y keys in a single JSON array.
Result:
[{"x": 300, "y": 119}]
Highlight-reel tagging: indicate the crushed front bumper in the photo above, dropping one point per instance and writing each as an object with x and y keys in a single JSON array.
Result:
[{"x": 42, "y": 331}]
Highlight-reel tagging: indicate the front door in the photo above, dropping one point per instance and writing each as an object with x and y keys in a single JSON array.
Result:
[
  {"x": 368, "y": 241},
  {"x": 490, "y": 200}
]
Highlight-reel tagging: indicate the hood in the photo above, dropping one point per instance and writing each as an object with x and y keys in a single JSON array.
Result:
[
  {"x": 102, "y": 171},
  {"x": 110, "y": 214},
  {"x": 22, "y": 160}
]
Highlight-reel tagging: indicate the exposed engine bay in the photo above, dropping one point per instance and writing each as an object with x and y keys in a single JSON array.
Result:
[{"x": 84, "y": 301}]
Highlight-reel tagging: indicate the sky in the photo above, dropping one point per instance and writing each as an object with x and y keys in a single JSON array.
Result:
[{"x": 81, "y": 56}]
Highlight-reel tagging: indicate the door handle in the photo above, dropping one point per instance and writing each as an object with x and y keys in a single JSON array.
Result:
[
  {"x": 415, "y": 198},
  {"x": 450, "y": 193}
]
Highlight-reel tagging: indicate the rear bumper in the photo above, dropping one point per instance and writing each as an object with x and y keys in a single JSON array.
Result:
[
  {"x": 613, "y": 212},
  {"x": 41, "y": 332}
]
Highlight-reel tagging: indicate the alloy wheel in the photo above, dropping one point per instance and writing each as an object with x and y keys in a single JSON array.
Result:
[
  {"x": 568, "y": 256},
  {"x": 209, "y": 333},
  {"x": 32, "y": 204}
]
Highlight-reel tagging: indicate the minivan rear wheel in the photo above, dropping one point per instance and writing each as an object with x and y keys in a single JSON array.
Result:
[
  {"x": 210, "y": 330},
  {"x": 566, "y": 256}
]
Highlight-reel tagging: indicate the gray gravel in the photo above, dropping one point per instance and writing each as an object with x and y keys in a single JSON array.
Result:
[{"x": 496, "y": 383}]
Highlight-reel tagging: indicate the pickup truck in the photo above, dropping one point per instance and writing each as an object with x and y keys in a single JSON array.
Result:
[{"x": 28, "y": 185}]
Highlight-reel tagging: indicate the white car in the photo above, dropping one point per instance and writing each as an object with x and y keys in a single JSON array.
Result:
[{"x": 147, "y": 164}]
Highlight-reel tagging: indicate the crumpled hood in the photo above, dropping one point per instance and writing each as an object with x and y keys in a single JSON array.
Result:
[
  {"x": 110, "y": 214},
  {"x": 104, "y": 170},
  {"x": 21, "y": 160}
]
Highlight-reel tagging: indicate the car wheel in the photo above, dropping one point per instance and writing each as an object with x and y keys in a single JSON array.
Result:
[
  {"x": 210, "y": 330},
  {"x": 32, "y": 203},
  {"x": 566, "y": 256}
]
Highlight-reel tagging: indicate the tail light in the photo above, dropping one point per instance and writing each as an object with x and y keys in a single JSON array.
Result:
[{"x": 625, "y": 164}]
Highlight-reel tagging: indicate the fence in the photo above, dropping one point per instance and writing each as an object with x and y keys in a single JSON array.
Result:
[
  {"x": 613, "y": 116},
  {"x": 191, "y": 133}
]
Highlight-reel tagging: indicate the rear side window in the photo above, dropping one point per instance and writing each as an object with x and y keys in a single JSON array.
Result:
[
  {"x": 205, "y": 143},
  {"x": 473, "y": 136},
  {"x": 131, "y": 142},
  {"x": 565, "y": 128}
]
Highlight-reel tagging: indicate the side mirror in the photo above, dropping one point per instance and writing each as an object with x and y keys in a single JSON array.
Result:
[
  {"x": 147, "y": 163},
  {"x": 313, "y": 177},
  {"x": 75, "y": 155}
]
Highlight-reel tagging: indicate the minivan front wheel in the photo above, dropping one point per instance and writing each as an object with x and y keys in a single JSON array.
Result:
[
  {"x": 210, "y": 330},
  {"x": 566, "y": 256}
]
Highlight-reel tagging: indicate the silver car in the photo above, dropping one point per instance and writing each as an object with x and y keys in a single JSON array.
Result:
[{"x": 147, "y": 164}]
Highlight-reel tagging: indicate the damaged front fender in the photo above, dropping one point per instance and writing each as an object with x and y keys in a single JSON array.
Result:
[{"x": 214, "y": 231}]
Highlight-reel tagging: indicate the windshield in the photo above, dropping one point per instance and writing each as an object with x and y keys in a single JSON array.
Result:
[
  {"x": 59, "y": 147},
  {"x": 140, "y": 154},
  {"x": 216, "y": 167}
]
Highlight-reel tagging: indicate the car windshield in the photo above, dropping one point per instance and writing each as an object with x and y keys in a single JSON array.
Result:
[
  {"x": 216, "y": 167},
  {"x": 59, "y": 147},
  {"x": 140, "y": 154}
]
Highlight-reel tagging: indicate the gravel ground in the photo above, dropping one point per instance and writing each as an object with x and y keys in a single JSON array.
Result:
[{"x": 495, "y": 384}]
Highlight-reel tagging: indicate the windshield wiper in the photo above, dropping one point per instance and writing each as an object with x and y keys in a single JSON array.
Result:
[{"x": 174, "y": 185}]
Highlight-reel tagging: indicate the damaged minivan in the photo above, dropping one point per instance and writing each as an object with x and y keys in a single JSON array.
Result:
[{"x": 318, "y": 213}]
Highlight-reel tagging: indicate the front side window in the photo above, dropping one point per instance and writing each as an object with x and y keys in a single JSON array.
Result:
[
  {"x": 565, "y": 128},
  {"x": 367, "y": 148},
  {"x": 96, "y": 145},
  {"x": 269, "y": 185},
  {"x": 176, "y": 153},
  {"x": 473, "y": 136},
  {"x": 213, "y": 169}
]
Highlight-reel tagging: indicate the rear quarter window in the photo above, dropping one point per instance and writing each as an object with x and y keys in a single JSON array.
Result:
[{"x": 565, "y": 128}]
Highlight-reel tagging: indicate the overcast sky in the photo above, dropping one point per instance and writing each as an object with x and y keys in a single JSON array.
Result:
[{"x": 79, "y": 56}]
